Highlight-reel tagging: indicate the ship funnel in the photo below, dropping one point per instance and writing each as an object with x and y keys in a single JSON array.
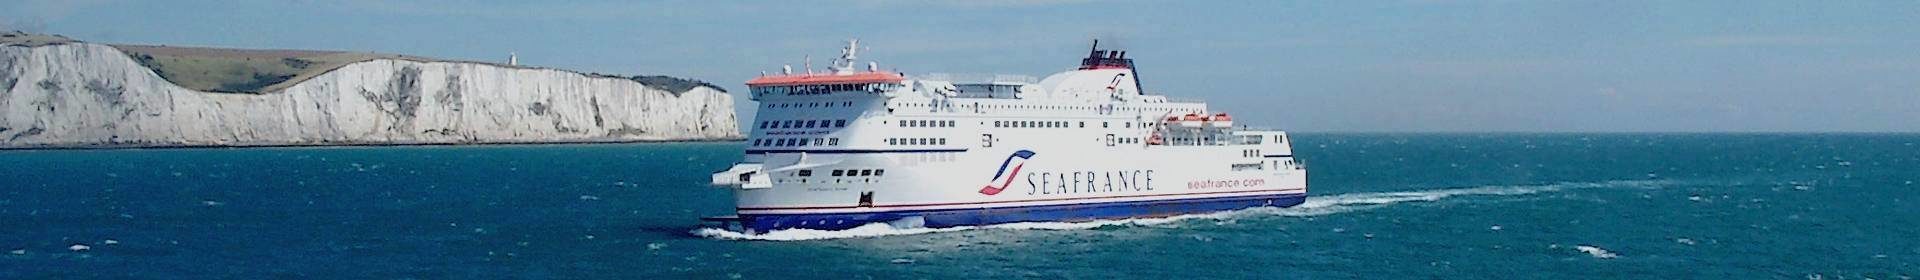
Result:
[
  {"x": 1105, "y": 59},
  {"x": 1111, "y": 59}
]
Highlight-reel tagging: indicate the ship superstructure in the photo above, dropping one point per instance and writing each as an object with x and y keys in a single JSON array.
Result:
[{"x": 850, "y": 147}]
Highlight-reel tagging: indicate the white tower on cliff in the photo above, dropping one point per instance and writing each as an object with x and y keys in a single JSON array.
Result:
[{"x": 513, "y": 58}]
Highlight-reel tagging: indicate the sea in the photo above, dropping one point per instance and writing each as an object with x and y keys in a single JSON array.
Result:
[{"x": 1382, "y": 206}]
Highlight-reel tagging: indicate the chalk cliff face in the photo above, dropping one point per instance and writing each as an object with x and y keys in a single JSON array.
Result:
[{"x": 91, "y": 95}]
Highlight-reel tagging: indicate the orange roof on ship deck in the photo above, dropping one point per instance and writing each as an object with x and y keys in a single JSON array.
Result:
[{"x": 825, "y": 79}]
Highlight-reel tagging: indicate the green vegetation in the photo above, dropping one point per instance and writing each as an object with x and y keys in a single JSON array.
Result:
[
  {"x": 263, "y": 71},
  {"x": 17, "y": 38},
  {"x": 672, "y": 84},
  {"x": 240, "y": 71}
]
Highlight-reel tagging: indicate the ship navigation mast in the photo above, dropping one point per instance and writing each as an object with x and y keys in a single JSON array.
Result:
[{"x": 844, "y": 64}]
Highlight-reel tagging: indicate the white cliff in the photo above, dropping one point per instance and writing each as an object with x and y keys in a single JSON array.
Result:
[{"x": 91, "y": 95}]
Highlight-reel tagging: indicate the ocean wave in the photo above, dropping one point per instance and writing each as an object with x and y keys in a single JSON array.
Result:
[{"x": 1314, "y": 206}]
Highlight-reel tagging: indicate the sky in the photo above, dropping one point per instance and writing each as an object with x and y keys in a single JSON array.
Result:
[{"x": 1315, "y": 66}]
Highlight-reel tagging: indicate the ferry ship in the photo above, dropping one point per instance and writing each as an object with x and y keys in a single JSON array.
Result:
[{"x": 847, "y": 147}]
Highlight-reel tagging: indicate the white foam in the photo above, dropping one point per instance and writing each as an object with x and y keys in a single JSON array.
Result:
[
  {"x": 1597, "y": 252},
  {"x": 869, "y": 230},
  {"x": 1314, "y": 206}
]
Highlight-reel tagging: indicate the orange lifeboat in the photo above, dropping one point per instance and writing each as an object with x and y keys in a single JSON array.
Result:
[
  {"x": 1155, "y": 139},
  {"x": 1221, "y": 120},
  {"x": 1192, "y": 120}
]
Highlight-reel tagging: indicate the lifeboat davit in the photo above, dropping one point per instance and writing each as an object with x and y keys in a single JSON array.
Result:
[
  {"x": 1221, "y": 120},
  {"x": 1192, "y": 120}
]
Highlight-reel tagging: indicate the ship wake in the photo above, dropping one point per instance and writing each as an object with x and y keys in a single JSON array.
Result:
[{"x": 1314, "y": 206}]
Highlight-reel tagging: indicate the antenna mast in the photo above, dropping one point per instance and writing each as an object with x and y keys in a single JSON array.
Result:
[{"x": 844, "y": 65}]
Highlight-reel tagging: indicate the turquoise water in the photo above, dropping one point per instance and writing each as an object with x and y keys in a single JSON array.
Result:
[{"x": 1384, "y": 206}]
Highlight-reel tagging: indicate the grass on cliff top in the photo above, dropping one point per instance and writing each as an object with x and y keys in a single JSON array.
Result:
[
  {"x": 238, "y": 70},
  {"x": 263, "y": 71},
  {"x": 17, "y": 38}
]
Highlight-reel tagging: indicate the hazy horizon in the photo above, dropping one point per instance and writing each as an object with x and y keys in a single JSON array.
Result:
[{"x": 1363, "y": 67}]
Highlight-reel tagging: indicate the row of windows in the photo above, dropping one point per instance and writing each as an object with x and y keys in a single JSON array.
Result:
[
  {"x": 933, "y": 123},
  {"x": 926, "y": 123},
  {"x": 803, "y": 124},
  {"x": 859, "y": 172},
  {"x": 796, "y": 142},
  {"x": 809, "y": 105},
  {"x": 1055, "y": 124},
  {"x": 845, "y": 172},
  {"x": 1034, "y": 124},
  {"x": 916, "y": 141},
  {"x": 1060, "y": 107},
  {"x": 824, "y": 89},
  {"x": 1250, "y": 153}
]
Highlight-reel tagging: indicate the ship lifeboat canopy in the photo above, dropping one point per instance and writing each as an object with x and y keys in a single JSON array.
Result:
[
  {"x": 1192, "y": 120},
  {"x": 1221, "y": 120}
]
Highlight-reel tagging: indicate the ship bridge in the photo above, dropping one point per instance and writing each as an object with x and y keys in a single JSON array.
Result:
[{"x": 842, "y": 81}]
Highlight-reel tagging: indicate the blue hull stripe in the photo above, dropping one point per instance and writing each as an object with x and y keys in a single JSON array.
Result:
[{"x": 1043, "y": 213}]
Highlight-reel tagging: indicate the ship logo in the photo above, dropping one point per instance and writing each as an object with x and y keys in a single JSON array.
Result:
[{"x": 1003, "y": 177}]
